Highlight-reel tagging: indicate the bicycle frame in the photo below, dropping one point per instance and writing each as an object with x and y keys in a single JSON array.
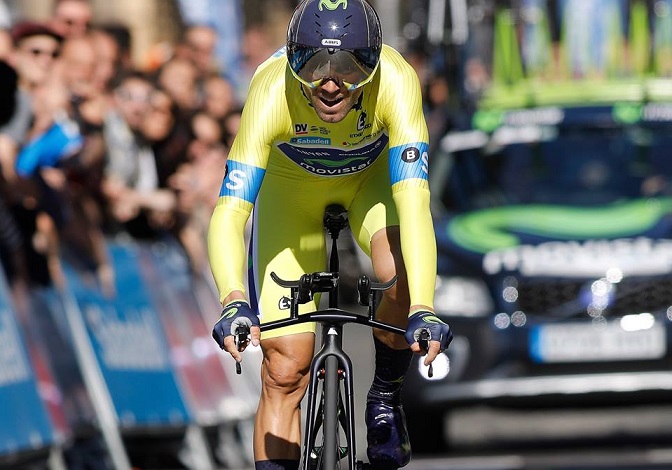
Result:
[{"x": 331, "y": 364}]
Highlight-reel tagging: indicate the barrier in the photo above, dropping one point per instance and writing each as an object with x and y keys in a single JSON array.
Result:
[
  {"x": 135, "y": 366},
  {"x": 195, "y": 354},
  {"x": 25, "y": 424},
  {"x": 125, "y": 334},
  {"x": 224, "y": 403}
]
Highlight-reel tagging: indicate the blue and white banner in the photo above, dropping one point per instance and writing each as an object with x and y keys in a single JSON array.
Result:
[
  {"x": 24, "y": 420},
  {"x": 195, "y": 354},
  {"x": 142, "y": 360},
  {"x": 130, "y": 347}
]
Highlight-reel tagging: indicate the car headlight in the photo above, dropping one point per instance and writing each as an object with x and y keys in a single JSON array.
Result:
[
  {"x": 441, "y": 366},
  {"x": 462, "y": 296},
  {"x": 451, "y": 364}
]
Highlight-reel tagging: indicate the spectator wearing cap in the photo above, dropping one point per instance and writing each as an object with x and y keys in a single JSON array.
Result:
[{"x": 36, "y": 46}]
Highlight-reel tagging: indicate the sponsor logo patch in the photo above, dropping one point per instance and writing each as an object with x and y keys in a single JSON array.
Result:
[
  {"x": 330, "y": 161},
  {"x": 410, "y": 155},
  {"x": 310, "y": 141},
  {"x": 331, "y": 42},
  {"x": 284, "y": 303},
  {"x": 333, "y": 4}
]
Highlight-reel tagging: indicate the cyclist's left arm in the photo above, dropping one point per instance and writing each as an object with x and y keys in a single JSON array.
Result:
[
  {"x": 409, "y": 172},
  {"x": 408, "y": 165}
]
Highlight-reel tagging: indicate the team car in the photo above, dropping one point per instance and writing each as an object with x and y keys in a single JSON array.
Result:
[
  {"x": 554, "y": 231},
  {"x": 552, "y": 204}
]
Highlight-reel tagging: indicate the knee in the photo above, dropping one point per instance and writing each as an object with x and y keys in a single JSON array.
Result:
[{"x": 284, "y": 376}]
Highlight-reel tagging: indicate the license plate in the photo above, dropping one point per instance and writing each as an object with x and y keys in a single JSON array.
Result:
[{"x": 584, "y": 342}]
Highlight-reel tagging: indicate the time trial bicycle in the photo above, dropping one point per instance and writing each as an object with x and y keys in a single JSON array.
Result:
[{"x": 329, "y": 433}]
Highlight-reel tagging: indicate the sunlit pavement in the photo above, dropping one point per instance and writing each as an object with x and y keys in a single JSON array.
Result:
[
  {"x": 623, "y": 457},
  {"x": 655, "y": 458}
]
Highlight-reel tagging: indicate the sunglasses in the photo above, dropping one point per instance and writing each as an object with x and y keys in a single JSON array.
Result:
[
  {"x": 76, "y": 22},
  {"x": 36, "y": 52},
  {"x": 314, "y": 66},
  {"x": 134, "y": 96}
]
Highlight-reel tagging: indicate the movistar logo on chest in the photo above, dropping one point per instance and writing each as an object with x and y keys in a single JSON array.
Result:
[
  {"x": 327, "y": 167},
  {"x": 333, "y": 4},
  {"x": 330, "y": 161}
]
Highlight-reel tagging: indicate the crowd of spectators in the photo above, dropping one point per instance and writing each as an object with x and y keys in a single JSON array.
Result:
[{"x": 97, "y": 147}]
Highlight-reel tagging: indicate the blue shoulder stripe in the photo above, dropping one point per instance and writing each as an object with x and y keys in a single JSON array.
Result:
[
  {"x": 409, "y": 161},
  {"x": 242, "y": 181}
]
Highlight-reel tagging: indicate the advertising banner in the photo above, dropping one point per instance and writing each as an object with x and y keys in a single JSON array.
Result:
[
  {"x": 50, "y": 341},
  {"x": 24, "y": 420},
  {"x": 129, "y": 345},
  {"x": 195, "y": 355}
]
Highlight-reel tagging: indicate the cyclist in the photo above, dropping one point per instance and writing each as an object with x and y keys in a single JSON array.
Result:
[{"x": 333, "y": 117}]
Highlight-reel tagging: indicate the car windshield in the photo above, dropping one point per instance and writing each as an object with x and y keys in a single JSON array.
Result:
[{"x": 561, "y": 164}]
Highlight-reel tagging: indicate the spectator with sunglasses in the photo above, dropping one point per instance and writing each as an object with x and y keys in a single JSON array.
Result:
[{"x": 36, "y": 47}]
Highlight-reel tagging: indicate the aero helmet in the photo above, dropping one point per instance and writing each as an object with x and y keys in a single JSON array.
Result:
[{"x": 339, "y": 40}]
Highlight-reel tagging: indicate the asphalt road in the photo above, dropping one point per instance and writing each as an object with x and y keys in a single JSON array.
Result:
[
  {"x": 627, "y": 459},
  {"x": 616, "y": 456}
]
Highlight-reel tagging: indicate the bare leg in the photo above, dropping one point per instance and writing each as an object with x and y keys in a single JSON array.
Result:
[
  {"x": 387, "y": 437},
  {"x": 284, "y": 377},
  {"x": 394, "y": 306}
]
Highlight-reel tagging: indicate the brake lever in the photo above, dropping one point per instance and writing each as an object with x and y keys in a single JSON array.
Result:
[
  {"x": 423, "y": 341},
  {"x": 242, "y": 337}
]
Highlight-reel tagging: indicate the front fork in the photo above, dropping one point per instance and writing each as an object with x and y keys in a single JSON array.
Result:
[{"x": 331, "y": 347}]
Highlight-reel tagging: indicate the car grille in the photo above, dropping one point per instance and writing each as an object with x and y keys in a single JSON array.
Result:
[{"x": 567, "y": 297}]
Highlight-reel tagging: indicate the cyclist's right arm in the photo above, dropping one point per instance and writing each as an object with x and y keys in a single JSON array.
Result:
[{"x": 245, "y": 169}]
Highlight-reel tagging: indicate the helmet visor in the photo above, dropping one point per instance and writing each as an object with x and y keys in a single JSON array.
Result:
[{"x": 351, "y": 68}]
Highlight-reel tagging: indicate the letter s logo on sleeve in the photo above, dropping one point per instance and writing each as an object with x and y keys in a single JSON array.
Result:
[
  {"x": 236, "y": 180},
  {"x": 242, "y": 181},
  {"x": 409, "y": 161}
]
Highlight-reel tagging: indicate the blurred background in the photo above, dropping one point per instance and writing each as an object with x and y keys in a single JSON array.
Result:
[{"x": 550, "y": 127}]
